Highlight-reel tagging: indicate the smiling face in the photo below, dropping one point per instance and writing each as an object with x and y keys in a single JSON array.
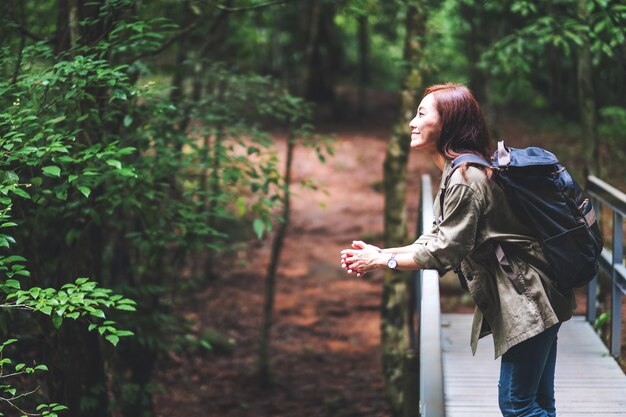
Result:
[{"x": 426, "y": 125}]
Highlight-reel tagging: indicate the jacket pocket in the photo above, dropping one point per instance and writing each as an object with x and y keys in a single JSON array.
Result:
[
  {"x": 512, "y": 269},
  {"x": 478, "y": 285}
]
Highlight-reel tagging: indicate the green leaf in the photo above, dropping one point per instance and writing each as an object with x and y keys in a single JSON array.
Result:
[
  {"x": 62, "y": 194},
  {"x": 12, "y": 283},
  {"x": 258, "y": 227},
  {"x": 125, "y": 307},
  {"x": 21, "y": 193},
  {"x": 602, "y": 320},
  {"x": 128, "y": 120},
  {"x": 52, "y": 171},
  {"x": 57, "y": 321},
  {"x": 13, "y": 258},
  {"x": 85, "y": 190},
  {"x": 114, "y": 163},
  {"x": 98, "y": 313},
  {"x": 58, "y": 119},
  {"x": 113, "y": 339},
  {"x": 11, "y": 177}
]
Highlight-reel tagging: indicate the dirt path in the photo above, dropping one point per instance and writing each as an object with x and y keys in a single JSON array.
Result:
[{"x": 325, "y": 350}]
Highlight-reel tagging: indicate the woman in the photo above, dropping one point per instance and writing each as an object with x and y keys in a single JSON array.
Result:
[{"x": 474, "y": 220}]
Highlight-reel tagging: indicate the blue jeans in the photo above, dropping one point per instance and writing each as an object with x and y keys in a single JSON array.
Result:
[{"x": 526, "y": 387}]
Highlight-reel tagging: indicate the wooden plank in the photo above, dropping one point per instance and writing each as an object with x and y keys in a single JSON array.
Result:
[{"x": 588, "y": 381}]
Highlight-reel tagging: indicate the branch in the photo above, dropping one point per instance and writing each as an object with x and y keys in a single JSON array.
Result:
[
  {"x": 32, "y": 35},
  {"x": 168, "y": 42},
  {"x": 10, "y": 402},
  {"x": 17, "y": 306},
  {"x": 13, "y": 374},
  {"x": 253, "y": 7}
]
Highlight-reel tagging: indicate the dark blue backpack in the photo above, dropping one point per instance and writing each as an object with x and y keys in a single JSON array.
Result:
[{"x": 545, "y": 197}]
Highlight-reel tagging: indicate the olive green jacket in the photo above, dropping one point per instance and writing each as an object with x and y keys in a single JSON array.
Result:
[{"x": 476, "y": 217}]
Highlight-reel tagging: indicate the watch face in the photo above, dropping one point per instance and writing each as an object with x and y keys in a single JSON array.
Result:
[{"x": 392, "y": 263}]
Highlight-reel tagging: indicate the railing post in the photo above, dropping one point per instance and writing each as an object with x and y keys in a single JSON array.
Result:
[
  {"x": 592, "y": 287},
  {"x": 616, "y": 293}
]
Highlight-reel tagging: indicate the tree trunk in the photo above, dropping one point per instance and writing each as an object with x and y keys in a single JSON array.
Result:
[
  {"x": 64, "y": 33},
  {"x": 587, "y": 103},
  {"x": 309, "y": 52},
  {"x": 180, "y": 71},
  {"x": 270, "y": 280},
  {"x": 73, "y": 354},
  {"x": 77, "y": 376},
  {"x": 363, "y": 63},
  {"x": 394, "y": 334}
]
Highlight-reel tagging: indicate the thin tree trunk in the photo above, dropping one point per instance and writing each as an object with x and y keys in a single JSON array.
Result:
[
  {"x": 394, "y": 334},
  {"x": 270, "y": 280},
  {"x": 363, "y": 63},
  {"x": 74, "y": 22},
  {"x": 587, "y": 103},
  {"x": 309, "y": 52},
  {"x": 63, "y": 35},
  {"x": 211, "y": 202},
  {"x": 73, "y": 380},
  {"x": 180, "y": 71},
  {"x": 20, "y": 52}
]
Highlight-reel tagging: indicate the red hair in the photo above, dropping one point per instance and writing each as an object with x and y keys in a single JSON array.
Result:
[{"x": 463, "y": 127}]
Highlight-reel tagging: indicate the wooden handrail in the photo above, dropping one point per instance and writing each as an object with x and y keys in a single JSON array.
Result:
[{"x": 428, "y": 309}]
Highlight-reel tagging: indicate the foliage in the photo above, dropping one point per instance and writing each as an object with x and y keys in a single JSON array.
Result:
[
  {"x": 560, "y": 27},
  {"x": 612, "y": 130},
  {"x": 45, "y": 167},
  {"x": 120, "y": 181}
]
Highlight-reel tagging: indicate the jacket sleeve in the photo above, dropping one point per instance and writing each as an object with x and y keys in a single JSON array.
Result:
[{"x": 454, "y": 237}]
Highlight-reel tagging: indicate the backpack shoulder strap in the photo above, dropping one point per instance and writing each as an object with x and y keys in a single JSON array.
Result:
[{"x": 469, "y": 158}]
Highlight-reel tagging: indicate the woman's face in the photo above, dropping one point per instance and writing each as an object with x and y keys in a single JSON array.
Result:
[{"x": 425, "y": 126}]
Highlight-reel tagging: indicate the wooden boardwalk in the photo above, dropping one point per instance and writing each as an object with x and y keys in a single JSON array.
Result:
[{"x": 588, "y": 380}]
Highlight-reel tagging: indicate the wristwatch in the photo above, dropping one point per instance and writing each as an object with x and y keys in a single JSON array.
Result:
[{"x": 392, "y": 263}]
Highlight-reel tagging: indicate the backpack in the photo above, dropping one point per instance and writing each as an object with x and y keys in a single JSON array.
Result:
[{"x": 546, "y": 198}]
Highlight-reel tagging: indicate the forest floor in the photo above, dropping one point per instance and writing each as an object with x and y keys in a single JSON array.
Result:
[{"x": 325, "y": 354}]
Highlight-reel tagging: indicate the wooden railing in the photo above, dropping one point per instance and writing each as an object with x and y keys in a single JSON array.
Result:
[
  {"x": 611, "y": 260},
  {"x": 427, "y": 335}
]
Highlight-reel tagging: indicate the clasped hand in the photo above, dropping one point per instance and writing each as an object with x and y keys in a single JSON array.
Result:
[{"x": 361, "y": 258}]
